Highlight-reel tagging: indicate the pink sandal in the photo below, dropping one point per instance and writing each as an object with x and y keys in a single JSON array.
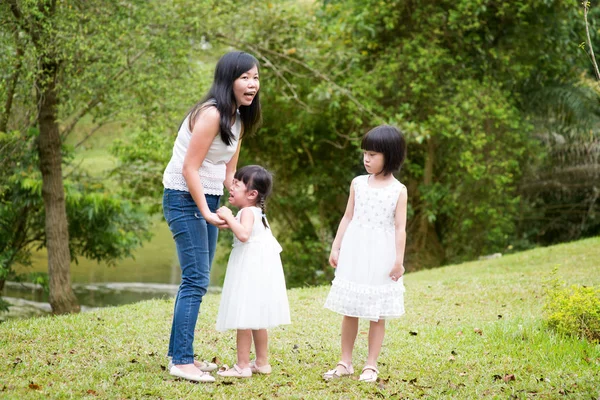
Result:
[
  {"x": 235, "y": 372},
  {"x": 369, "y": 374},
  {"x": 334, "y": 373}
]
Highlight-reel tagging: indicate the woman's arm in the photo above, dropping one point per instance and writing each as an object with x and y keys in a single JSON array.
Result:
[
  {"x": 400, "y": 231},
  {"x": 232, "y": 166},
  {"x": 337, "y": 242},
  {"x": 206, "y": 128},
  {"x": 241, "y": 229}
]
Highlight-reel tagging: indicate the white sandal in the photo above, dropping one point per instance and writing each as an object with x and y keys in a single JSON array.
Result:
[
  {"x": 334, "y": 373},
  {"x": 369, "y": 374}
]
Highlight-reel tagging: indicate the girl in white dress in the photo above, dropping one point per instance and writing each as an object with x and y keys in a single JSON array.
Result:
[
  {"x": 254, "y": 295},
  {"x": 368, "y": 250}
]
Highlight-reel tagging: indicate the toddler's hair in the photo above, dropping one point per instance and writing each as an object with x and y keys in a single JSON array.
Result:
[
  {"x": 390, "y": 141},
  {"x": 257, "y": 178}
]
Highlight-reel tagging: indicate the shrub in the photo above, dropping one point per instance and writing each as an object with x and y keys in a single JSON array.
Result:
[{"x": 574, "y": 310}]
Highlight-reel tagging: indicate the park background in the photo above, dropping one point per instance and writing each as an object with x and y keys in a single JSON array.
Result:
[{"x": 499, "y": 104}]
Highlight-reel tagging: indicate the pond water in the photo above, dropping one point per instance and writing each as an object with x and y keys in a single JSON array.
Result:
[{"x": 154, "y": 273}]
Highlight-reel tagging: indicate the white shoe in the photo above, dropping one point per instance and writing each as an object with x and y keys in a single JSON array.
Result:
[
  {"x": 199, "y": 377},
  {"x": 204, "y": 366}
]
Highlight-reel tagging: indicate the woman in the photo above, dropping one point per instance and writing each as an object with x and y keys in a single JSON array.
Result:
[{"x": 204, "y": 158}]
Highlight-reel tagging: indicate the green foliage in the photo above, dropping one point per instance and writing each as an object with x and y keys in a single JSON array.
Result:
[
  {"x": 102, "y": 224},
  {"x": 574, "y": 310}
]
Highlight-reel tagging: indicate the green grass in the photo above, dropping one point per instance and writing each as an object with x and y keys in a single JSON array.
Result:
[{"x": 119, "y": 352}]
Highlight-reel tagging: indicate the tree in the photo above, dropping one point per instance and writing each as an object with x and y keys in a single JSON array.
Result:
[{"x": 102, "y": 60}]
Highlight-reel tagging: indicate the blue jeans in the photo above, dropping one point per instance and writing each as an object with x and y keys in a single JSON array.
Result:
[{"x": 196, "y": 241}]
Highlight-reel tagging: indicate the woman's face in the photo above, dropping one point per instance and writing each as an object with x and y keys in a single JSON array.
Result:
[{"x": 246, "y": 87}]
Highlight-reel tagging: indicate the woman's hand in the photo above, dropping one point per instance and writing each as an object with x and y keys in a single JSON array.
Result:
[
  {"x": 333, "y": 257},
  {"x": 397, "y": 272},
  {"x": 214, "y": 219}
]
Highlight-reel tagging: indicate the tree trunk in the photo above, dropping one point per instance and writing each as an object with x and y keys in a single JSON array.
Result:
[
  {"x": 62, "y": 298},
  {"x": 429, "y": 250}
]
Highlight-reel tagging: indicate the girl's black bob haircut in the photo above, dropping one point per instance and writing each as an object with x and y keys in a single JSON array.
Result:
[{"x": 390, "y": 141}]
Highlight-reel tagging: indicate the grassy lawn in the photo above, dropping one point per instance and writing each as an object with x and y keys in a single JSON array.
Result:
[{"x": 471, "y": 330}]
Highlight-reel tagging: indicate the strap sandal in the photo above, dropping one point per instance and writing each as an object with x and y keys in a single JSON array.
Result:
[
  {"x": 235, "y": 372},
  {"x": 369, "y": 374},
  {"x": 265, "y": 369},
  {"x": 339, "y": 372}
]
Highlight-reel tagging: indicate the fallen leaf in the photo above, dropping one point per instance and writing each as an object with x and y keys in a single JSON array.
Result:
[
  {"x": 478, "y": 331},
  {"x": 162, "y": 367},
  {"x": 459, "y": 333},
  {"x": 215, "y": 360},
  {"x": 17, "y": 362},
  {"x": 463, "y": 374},
  {"x": 296, "y": 347},
  {"x": 453, "y": 353},
  {"x": 413, "y": 333},
  {"x": 363, "y": 332},
  {"x": 497, "y": 377},
  {"x": 92, "y": 392},
  {"x": 152, "y": 354},
  {"x": 34, "y": 386},
  {"x": 451, "y": 358},
  {"x": 499, "y": 316},
  {"x": 134, "y": 361},
  {"x": 509, "y": 377}
]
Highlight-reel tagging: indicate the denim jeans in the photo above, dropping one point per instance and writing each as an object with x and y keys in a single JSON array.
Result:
[{"x": 196, "y": 241}]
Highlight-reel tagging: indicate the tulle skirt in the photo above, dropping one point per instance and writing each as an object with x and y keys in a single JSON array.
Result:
[{"x": 254, "y": 293}]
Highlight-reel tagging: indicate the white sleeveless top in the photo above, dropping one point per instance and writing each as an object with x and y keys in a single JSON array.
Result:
[{"x": 213, "y": 169}]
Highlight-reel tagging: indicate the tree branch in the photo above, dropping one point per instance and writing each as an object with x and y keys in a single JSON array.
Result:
[
  {"x": 12, "y": 85},
  {"x": 96, "y": 100},
  {"x": 315, "y": 72},
  {"x": 586, "y": 5}
]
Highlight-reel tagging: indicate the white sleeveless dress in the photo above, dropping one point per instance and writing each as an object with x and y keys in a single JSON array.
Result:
[
  {"x": 254, "y": 293},
  {"x": 362, "y": 286}
]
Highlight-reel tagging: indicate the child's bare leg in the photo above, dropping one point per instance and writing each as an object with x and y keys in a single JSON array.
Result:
[
  {"x": 244, "y": 343},
  {"x": 349, "y": 331},
  {"x": 261, "y": 346},
  {"x": 376, "y": 335}
]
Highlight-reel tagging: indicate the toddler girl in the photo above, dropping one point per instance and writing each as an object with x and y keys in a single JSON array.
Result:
[
  {"x": 368, "y": 250},
  {"x": 254, "y": 295}
]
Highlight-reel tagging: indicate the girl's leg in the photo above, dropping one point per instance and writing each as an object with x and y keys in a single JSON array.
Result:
[
  {"x": 376, "y": 335},
  {"x": 244, "y": 343},
  {"x": 349, "y": 332},
  {"x": 261, "y": 346}
]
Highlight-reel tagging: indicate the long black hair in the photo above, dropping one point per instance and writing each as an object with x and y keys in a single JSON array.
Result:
[
  {"x": 257, "y": 178},
  {"x": 230, "y": 67}
]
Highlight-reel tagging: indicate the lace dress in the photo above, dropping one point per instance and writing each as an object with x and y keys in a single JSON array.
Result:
[
  {"x": 362, "y": 286},
  {"x": 254, "y": 294}
]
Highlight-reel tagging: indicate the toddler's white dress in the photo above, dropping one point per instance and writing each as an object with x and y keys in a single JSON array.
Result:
[
  {"x": 362, "y": 286},
  {"x": 254, "y": 294}
]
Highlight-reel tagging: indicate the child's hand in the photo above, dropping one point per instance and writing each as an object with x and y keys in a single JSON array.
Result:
[
  {"x": 333, "y": 258},
  {"x": 224, "y": 212},
  {"x": 397, "y": 272}
]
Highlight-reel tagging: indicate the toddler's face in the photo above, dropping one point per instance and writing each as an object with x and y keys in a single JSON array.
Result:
[
  {"x": 238, "y": 194},
  {"x": 373, "y": 161}
]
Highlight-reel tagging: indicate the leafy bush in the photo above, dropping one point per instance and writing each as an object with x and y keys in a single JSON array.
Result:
[{"x": 574, "y": 310}]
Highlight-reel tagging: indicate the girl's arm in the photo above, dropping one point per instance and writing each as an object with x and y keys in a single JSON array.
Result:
[
  {"x": 206, "y": 128},
  {"x": 337, "y": 242},
  {"x": 400, "y": 227},
  {"x": 241, "y": 229},
  {"x": 232, "y": 166}
]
